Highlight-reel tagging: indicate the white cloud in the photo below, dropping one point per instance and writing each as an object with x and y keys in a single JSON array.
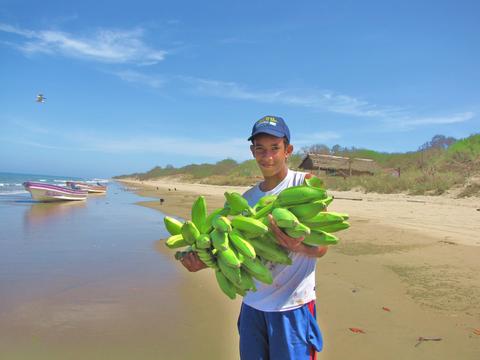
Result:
[
  {"x": 132, "y": 76},
  {"x": 323, "y": 100},
  {"x": 440, "y": 120},
  {"x": 110, "y": 46}
]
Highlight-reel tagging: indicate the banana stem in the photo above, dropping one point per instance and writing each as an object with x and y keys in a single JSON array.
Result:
[{"x": 263, "y": 211}]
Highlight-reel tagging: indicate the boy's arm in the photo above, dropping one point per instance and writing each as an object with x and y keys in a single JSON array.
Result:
[{"x": 295, "y": 244}]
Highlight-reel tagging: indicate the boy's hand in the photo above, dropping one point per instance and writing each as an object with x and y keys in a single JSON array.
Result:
[
  {"x": 192, "y": 262},
  {"x": 291, "y": 244}
]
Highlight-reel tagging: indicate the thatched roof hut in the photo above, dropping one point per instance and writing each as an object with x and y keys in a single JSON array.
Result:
[{"x": 338, "y": 165}]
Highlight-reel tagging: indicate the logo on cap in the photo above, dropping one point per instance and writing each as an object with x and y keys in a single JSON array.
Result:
[{"x": 267, "y": 120}]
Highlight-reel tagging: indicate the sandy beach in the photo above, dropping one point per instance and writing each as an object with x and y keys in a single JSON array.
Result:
[{"x": 406, "y": 269}]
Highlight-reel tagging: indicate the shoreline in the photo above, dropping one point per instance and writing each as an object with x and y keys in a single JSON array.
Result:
[{"x": 415, "y": 256}]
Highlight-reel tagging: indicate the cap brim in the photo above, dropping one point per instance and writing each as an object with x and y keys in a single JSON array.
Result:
[{"x": 272, "y": 132}]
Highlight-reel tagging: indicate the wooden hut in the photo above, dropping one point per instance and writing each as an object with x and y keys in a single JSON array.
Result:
[{"x": 338, "y": 165}]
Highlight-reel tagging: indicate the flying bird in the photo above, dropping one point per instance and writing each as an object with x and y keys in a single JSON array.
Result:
[{"x": 41, "y": 98}]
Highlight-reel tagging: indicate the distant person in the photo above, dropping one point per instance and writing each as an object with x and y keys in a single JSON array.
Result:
[
  {"x": 277, "y": 321},
  {"x": 161, "y": 201}
]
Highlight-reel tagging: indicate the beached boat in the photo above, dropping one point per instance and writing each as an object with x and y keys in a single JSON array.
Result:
[
  {"x": 91, "y": 188},
  {"x": 49, "y": 192}
]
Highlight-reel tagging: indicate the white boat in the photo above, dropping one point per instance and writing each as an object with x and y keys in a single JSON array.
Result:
[
  {"x": 91, "y": 188},
  {"x": 49, "y": 192}
]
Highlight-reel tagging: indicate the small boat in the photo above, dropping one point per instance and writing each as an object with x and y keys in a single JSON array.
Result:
[
  {"x": 49, "y": 192},
  {"x": 91, "y": 188}
]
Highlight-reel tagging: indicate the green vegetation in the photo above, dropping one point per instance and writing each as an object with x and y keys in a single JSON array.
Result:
[{"x": 436, "y": 167}]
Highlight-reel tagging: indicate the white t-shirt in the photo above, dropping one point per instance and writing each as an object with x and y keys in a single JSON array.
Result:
[{"x": 293, "y": 285}]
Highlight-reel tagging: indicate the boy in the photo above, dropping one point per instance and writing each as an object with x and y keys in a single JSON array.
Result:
[{"x": 278, "y": 320}]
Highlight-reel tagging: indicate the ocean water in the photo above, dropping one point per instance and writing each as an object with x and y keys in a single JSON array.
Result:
[
  {"x": 49, "y": 241},
  {"x": 11, "y": 183},
  {"x": 93, "y": 280},
  {"x": 74, "y": 275}
]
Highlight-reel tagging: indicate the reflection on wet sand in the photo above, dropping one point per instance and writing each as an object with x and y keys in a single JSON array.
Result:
[{"x": 44, "y": 212}]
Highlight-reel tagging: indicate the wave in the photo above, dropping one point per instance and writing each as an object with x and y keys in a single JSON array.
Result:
[
  {"x": 10, "y": 184},
  {"x": 100, "y": 180},
  {"x": 13, "y": 192},
  {"x": 61, "y": 181}
]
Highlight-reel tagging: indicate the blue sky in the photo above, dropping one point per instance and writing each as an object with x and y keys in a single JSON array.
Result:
[{"x": 132, "y": 85}]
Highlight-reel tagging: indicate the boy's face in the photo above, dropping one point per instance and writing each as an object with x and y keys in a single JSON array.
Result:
[{"x": 270, "y": 153}]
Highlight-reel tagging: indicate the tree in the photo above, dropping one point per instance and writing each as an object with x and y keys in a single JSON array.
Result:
[
  {"x": 316, "y": 149},
  {"x": 336, "y": 149},
  {"x": 440, "y": 142}
]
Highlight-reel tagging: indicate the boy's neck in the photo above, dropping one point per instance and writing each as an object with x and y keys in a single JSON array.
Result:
[{"x": 271, "y": 182}]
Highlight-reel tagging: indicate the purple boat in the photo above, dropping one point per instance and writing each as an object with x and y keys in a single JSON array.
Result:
[{"x": 49, "y": 192}]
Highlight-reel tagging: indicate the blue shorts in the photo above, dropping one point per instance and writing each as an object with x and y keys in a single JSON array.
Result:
[{"x": 288, "y": 335}]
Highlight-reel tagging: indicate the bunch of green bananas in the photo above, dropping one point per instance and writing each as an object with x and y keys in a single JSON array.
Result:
[{"x": 235, "y": 240}]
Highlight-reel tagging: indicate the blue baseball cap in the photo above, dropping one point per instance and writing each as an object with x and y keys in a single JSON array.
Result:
[{"x": 272, "y": 125}]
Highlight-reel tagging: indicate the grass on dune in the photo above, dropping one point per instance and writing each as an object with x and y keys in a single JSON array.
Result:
[{"x": 436, "y": 167}]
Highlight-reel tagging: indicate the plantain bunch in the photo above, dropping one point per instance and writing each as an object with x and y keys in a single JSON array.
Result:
[{"x": 235, "y": 240}]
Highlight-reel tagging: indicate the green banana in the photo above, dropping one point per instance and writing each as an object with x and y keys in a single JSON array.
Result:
[
  {"x": 229, "y": 258},
  {"x": 298, "y": 231},
  {"x": 318, "y": 237},
  {"x": 238, "y": 203},
  {"x": 242, "y": 245},
  {"x": 231, "y": 273},
  {"x": 190, "y": 232},
  {"x": 203, "y": 241},
  {"x": 230, "y": 211},
  {"x": 237, "y": 253},
  {"x": 306, "y": 211},
  {"x": 199, "y": 214},
  {"x": 225, "y": 285},
  {"x": 246, "y": 281},
  {"x": 207, "y": 258},
  {"x": 175, "y": 241},
  {"x": 333, "y": 227},
  {"x": 173, "y": 226},
  {"x": 219, "y": 240},
  {"x": 264, "y": 201},
  {"x": 343, "y": 215},
  {"x": 314, "y": 181},
  {"x": 258, "y": 270},
  {"x": 323, "y": 218},
  {"x": 213, "y": 215},
  {"x": 328, "y": 200},
  {"x": 239, "y": 290},
  {"x": 249, "y": 225},
  {"x": 299, "y": 195},
  {"x": 268, "y": 248},
  {"x": 284, "y": 218},
  {"x": 222, "y": 223}
]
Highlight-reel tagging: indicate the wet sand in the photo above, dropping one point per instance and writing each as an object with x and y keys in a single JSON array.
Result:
[
  {"x": 88, "y": 281},
  {"x": 407, "y": 268}
]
